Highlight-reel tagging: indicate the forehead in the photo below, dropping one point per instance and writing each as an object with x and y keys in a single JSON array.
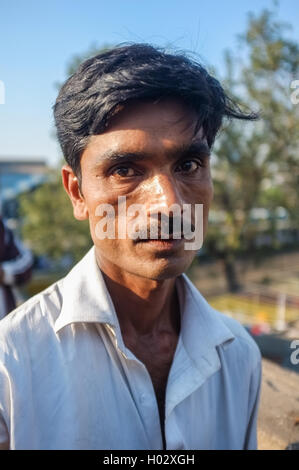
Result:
[
  {"x": 163, "y": 113},
  {"x": 140, "y": 125}
]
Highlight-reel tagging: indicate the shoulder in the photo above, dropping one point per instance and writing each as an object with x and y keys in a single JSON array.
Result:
[
  {"x": 30, "y": 322},
  {"x": 243, "y": 346},
  {"x": 235, "y": 344}
]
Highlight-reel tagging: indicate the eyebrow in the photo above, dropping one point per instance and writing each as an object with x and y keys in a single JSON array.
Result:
[{"x": 181, "y": 152}]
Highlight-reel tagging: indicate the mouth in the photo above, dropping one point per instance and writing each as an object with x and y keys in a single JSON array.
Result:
[{"x": 161, "y": 243}]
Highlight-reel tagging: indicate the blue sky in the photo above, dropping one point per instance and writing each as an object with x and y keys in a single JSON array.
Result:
[{"x": 38, "y": 39}]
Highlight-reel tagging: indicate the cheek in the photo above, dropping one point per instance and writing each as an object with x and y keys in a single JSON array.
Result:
[
  {"x": 97, "y": 197},
  {"x": 206, "y": 189},
  {"x": 211, "y": 190},
  {"x": 106, "y": 217},
  {"x": 204, "y": 195},
  {"x": 209, "y": 196},
  {"x": 201, "y": 192}
]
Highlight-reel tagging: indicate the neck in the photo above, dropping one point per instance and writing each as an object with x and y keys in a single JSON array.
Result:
[{"x": 144, "y": 307}]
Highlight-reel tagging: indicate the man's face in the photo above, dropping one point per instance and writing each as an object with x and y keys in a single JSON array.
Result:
[{"x": 144, "y": 156}]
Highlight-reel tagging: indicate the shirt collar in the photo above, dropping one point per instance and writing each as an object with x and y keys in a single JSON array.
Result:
[
  {"x": 86, "y": 299},
  {"x": 85, "y": 296},
  {"x": 202, "y": 328}
]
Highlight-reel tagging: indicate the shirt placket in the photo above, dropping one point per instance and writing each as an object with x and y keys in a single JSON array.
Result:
[{"x": 141, "y": 389}]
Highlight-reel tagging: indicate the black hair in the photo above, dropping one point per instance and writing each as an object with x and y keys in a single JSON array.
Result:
[{"x": 101, "y": 84}]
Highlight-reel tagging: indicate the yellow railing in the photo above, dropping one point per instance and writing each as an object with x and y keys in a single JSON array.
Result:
[{"x": 251, "y": 310}]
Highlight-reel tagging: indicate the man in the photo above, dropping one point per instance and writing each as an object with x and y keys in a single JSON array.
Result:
[
  {"x": 124, "y": 352},
  {"x": 15, "y": 267}
]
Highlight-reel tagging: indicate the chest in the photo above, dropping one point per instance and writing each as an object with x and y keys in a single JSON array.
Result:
[{"x": 157, "y": 356}]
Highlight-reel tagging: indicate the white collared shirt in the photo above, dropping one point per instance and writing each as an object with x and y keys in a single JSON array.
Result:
[{"x": 67, "y": 380}]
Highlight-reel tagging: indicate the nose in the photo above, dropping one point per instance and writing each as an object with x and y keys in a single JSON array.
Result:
[{"x": 163, "y": 192}]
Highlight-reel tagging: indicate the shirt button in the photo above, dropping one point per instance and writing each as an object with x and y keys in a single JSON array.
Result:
[{"x": 142, "y": 397}]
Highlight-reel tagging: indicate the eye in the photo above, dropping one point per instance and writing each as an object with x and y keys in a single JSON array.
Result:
[
  {"x": 123, "y": 171},
  {"x": 188, "y": 166}
]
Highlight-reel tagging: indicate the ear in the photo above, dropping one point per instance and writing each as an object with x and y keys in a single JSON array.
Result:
[{"x": 71, "y": 185}]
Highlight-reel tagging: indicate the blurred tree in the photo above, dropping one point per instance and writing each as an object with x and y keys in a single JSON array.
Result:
[
  {"x": 49, "y": 225},
  {"x": 273, "y": 66},
  {"x": 256, "y": 164}
]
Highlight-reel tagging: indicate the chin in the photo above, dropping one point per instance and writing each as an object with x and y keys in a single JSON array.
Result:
[{"x": 160, "y": 270}]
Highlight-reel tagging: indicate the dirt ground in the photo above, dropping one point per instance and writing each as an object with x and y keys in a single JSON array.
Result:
[
  {"x": 278, "y": 422},
  {"x": 279, "y": 272}
]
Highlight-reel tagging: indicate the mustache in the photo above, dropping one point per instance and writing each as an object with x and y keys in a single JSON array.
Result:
[{"x": 166, "y": 228}]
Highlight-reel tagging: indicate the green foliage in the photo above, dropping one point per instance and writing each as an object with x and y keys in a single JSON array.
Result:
[
  {"x": 48, "y": 222},
  {"x": 256, "y": 164},
  {"x": 274, "y": 64}
]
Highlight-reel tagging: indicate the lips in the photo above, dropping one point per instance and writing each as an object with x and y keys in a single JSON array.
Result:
[{"x": 162, "y": 237}]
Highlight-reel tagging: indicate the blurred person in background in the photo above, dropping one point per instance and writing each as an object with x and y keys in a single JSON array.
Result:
[{"x": 15, "y": 267}]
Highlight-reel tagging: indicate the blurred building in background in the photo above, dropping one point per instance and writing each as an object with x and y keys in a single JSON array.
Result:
[{"x": 18, "y": 175}]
